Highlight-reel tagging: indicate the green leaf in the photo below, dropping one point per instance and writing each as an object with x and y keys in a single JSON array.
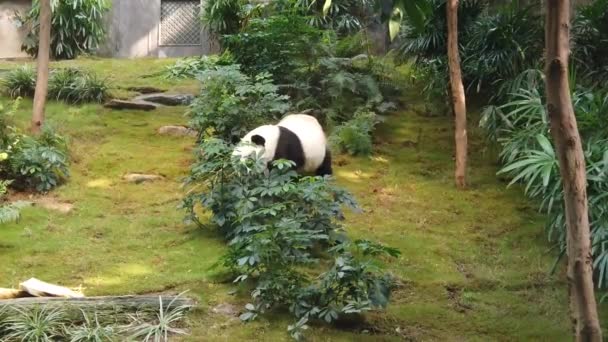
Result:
[
  {"x": 545, "y": 144},
  {"x": 394, "y": 23},
  {"x": 326, "y": 7}
]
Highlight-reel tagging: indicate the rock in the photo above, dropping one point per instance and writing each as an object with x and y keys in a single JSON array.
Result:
[
  {"x": 138, "y": 105},
  {"x": 53, "y": 204},
  {"x": 225, "y": 309},
  {"x": 140, "y": 178},
  {"x": 46, "y": 202},
  {"x": 146, "y": 90},
  {"x": 361, "y": 57},
  {"x": 167, "y": 99},
  {"x": 179, "y": 131}
]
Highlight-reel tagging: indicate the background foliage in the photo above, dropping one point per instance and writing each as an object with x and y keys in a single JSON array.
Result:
[{"x": 77, "y": 27}]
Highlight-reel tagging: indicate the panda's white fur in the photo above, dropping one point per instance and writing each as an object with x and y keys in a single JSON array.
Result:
[
  {"x": 247, "y": 148},
  {"x": 311, "y": 136},
  {"x": 305, "y": 127}
]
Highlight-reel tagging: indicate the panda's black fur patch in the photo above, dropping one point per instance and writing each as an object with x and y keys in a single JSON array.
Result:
[
  {"x": 325, "y": 168},
  {"x": 289, "y": 147},
  {"x": 258, "y": 140}
]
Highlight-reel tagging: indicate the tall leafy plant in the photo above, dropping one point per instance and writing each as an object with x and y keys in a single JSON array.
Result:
[
  {"x": 280, "y": 226},
  {"x": 343, "y": 16},
  {"x": 501, "y": 45},
  {"x": 521, "y": 127},
  {"x": 278, "y": 44},
  {"x": 231, "y": 103},
  {"x": 77, "y": 27}
]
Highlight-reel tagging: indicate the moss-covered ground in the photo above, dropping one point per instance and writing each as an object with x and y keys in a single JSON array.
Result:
[{"x": 475, "y": 264}]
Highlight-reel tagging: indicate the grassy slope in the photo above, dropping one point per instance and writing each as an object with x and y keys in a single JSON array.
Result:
[{"x": 474, "y": 264}]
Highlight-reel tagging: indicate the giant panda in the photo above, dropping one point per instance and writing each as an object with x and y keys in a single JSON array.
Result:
[{"x": 297, "y": 137}]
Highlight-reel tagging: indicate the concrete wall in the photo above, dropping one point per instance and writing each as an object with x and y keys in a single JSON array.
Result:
[
  {"x": 133, "y": 31},
  {"x": 10, "y": 36}
]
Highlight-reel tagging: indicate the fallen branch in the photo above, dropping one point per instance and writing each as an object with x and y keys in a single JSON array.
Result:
[{"x": 125, "y": 303}]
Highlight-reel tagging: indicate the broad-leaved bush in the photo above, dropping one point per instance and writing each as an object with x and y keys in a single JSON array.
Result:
[
  {"x": 232, "y": 103},
  {"x": 281, "y": 228}
]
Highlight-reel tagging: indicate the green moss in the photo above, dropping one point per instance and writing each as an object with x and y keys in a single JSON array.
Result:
[{"x": 475, "y": 263}]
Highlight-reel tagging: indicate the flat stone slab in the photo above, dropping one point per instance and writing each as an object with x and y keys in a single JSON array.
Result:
[
  {"x": 146, "y": 90},
  {"x": 137, "y": 105},
  {"x": 225, "y": 309},
  {"x": 54, "y": 205},
  {"x": 141, "y": 177},
  {"x": 178, "y": 131},
  {"x": 167, "y": 99},
  {"x": 46, "y": 202}
]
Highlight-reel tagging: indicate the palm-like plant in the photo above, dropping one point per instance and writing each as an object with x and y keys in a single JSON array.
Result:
[
  {"x": 590, "y": 41},
  {"x": 522, "y": 130},
  {"x": 77, "y": 27},
  {"x": 501, "y": 45}
]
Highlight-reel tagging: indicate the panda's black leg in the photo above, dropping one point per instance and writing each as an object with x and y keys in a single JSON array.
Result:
[{"x": 325, "y": 167}]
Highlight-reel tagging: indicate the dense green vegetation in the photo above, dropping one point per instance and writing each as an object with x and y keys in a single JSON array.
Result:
[
  {"x": 501, "y": 56},
  {"x": 71, "y": 85},
  {"x": 420, "y": 261},
  {"x": 471, "y": 262}
]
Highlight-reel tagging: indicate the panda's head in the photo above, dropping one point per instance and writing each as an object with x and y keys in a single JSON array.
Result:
[{"x": 261, "y": 142}]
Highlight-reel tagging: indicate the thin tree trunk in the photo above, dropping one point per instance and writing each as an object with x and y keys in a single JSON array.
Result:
[
  {"x": 458, "y": 97},
  {"x": 42, "y": 81},
  {"x": 569, "y": 149}
]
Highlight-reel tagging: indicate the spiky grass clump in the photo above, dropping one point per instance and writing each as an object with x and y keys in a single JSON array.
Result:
[
  {"x": 77, "y": 86},
  {"x": 41, "y": 324},
  {"x": 20, "y": 82},
  {"x": 166, "y": 319},
  {"x": 71, "y": 85},
  {"x": 91, "y": 330}
]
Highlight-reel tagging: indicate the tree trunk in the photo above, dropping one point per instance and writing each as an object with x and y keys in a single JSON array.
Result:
[
  {"x": 458, "y": 97},
  {"x": 42, "y": 81},
  {"x": 569, "y": 150}
]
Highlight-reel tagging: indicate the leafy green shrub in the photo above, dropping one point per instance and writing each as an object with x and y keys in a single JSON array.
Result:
[
  {"x": 223, "y": 16},
  {"x": 343, "y": 16},
  {"x": 77, "y": 27},
  {"x": 20, "y": 82},
  {"x": 231, "y": 103},
  {"x": 276, "y": 223},
  {"x": 279, "y": 44},
  {"x": 39, "y": 163},
  {"x": 339, "y": 87},
  {"x": 355, "y": 135},
  {"x": 77, "y": 86},
  {"x": 190, "y": 67}
]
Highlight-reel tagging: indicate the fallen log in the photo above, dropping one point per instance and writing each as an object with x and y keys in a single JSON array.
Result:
[
  {"x": 39, "y": 288},
  {"x": 134, "y": 302},
  {"x": 12, "y": 293}
]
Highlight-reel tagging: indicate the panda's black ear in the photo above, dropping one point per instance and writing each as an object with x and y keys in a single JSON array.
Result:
[{"x": 258, "y": 140}]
